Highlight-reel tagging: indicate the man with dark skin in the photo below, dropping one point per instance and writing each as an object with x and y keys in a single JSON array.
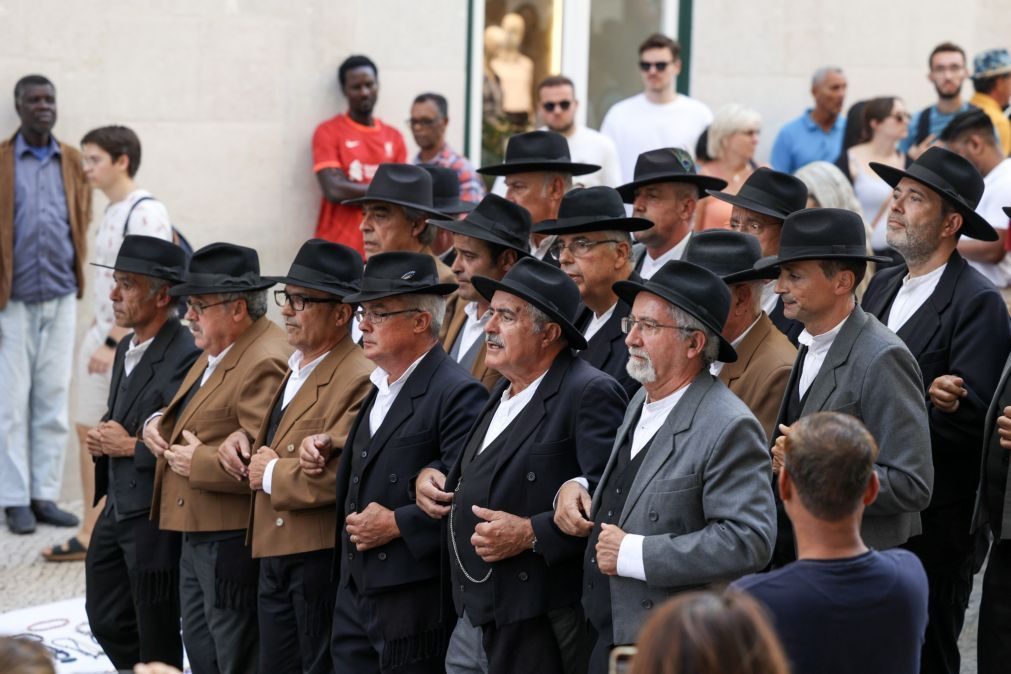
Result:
[
  {"x": 348, "y": 148},
  {"x": 429, "y": 119}
]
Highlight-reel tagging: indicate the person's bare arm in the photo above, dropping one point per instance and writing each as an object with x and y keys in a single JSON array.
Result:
[
  {"x": 990, "y": 252},
  {"x": 336, "y": 186}
]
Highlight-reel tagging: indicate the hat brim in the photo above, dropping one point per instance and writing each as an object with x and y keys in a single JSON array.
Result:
[
  {"x": 322, "y": 287},
  {"x": 510, "y": 168},
  {"x": 487, "y": 288},
  {"x": 764, "y": 274},
  {"x": 144, "y": 268},
  {"x": 750, "y": 204},
  {"x": 627, "y": 290},
  {"x": 974, "y": 225},
  {"x": 369, "y": 296},
  {"x": 190, "y": 289},
  {"x": 704, "y": 183},
  {"x": 591, "y": 223},
  {"x": 430, "y": 210},
  {"x": 772, "y": 261},
  {"x": 469, "y": 229}
]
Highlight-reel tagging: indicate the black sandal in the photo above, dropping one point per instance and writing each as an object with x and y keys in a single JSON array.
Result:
[{"x": 70, "y": 550}]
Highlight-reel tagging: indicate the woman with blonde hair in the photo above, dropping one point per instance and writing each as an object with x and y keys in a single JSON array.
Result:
[
  {"x": 732, "y": 139},
  {"x": 708, "y": 633}
]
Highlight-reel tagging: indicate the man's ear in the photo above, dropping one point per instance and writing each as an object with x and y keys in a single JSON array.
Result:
[{"x": 785, "y": 485}]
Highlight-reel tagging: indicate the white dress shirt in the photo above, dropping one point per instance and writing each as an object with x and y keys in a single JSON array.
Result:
[
  {"x": 472, "y": 330},
  {"x": 538, "y": 252},
  {"x": 717, "y": 366},
  {"x": 911, "y": 296},
  {"x": 387, "y": 394},
  {"x": 769, "y": 297},
  {"x": 650, "y": 266},
  {"x": 630, "y": 564},
  {"x": 817, "y": 349},
  {"x": 597, "y": 322},
  {"x": 508, "y": 409},
  {"x": 133, "y": 354},
  {"x": 298, "y": 376}
]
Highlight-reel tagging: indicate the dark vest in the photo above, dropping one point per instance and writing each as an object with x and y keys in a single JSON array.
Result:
[
  {"x": 361, "y": 445},
  {"x": 118, "y": 411},
  {"x": 995, "y": 470},
  {"x": 467, "y": 362},
  {"x": 785, "y": 550},
  {"x": 795, "y": 402},
  {"x": 275, "y": 417}
]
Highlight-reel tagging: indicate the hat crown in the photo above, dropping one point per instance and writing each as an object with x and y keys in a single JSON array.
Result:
[
  {"x": 502, "y": 219},
  {"x": 537, "y": 146},
  {"x": 582, "y": 202},
  {"x": 151, "y": 256},
  {"x": 991, "y": 62},
  {"x": 779, "y": 191},
  {"x": 955, "y": 170},
  {"x": 664, "y": 160},
  {"x": 401, "y": 182},
  {"x": 445, "y": 182},
  {"x": 696, "y": 290},
  {"x": 324, "y": 262},
  {"x": 405, "y": 269},
  {"x": 225, "y": 259},
  {"x": 835, "y": 230},
  {"x": 723, "y": 252},
  {"x": 547, "y": 282}
]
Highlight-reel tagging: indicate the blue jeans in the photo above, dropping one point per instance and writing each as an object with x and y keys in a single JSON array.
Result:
[{"x": 36, "y": 361}]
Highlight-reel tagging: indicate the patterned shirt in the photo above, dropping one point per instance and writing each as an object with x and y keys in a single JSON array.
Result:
[{"x": 471, "y": 187}]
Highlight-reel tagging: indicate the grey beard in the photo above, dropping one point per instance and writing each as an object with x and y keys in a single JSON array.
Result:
[{"x": 642, "y": 372}]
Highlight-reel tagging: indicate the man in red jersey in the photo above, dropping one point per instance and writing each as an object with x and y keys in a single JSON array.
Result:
[{"x": 347, "y": 149}]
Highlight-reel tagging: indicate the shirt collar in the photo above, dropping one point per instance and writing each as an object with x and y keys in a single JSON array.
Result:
[
  {"x": 672, "y": 254},
  {"x": 526, "y": 393},
  {"x": 21, "y": 146},
  {"x": 213, "y": 361},
  {"x": 134, "y": 346},
  {"x": 911, "y": 282},
  {"x": 812, "y": 125},
  {"x": 737, "y": 342},
  {"x": 380, "y": 377},
  {"x": 296, "y": 358},
  {"x": 667, "y": 402},
  {"x": 471, "y": 310},
  {"x": 823, "y": 342}
]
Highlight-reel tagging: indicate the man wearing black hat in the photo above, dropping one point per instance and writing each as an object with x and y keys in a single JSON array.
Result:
[
  {"x": 388, "y": 613},
  {"x": 851, "y": 363},
  {"x": 138, "y": 620},
  {"x": 198, "y": 489},
  {"x": 395, "y": 212},
  {"x": 956, "y": 325},
  {"x": 764, "y": 201},
  {"x": 685, "y": 500},
  {"x": 538, "y": 172},
  {"x": 764, "y": 355},
  {"x": 292, "y": 517},
  {"x": 446, "y": 199},
  {"x": 515, "y": 575},
  {"x": 594, "y": 248},
  {"x": 488, "y": 242},
  {"x": 665, "y": 191}
]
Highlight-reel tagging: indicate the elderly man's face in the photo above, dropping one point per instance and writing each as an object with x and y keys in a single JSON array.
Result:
[
  {"x": 36, "y": 107},
  {"x": 318, "y": 324},
  {"x": 663, "y": 204},
  {"x": 512, "y": 342},
  {"x": 211, "y": 321},
  {"x": 595, "y": 270},
  {"x": 656, "y": 354},
  {"x": 830, "y": 93},
  {"x": 530, "y": 190},
  {"x": 807, "y": 293},
  {"x": 385, "y": 229},
  {"x": 389, "y": 328},
  {"x": 767, "y": 228},
  {"x": 132, "y": 303},
  {"x": 473, "y": 258}
]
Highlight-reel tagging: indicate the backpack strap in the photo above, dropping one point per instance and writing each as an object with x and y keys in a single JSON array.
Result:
[
  {"x": 126, "y": 223},
  {"x": 922, "y": 126}
]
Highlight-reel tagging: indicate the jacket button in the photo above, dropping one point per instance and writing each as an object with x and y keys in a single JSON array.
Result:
[
  {"x": 381, "y": 556},
  {"x": 522, "y": 575},
  {"x": 364, "y": 454},
  {"x": 133, "y": 484},
  {"x": 291, "y": 448},
  {"x": 351, "y": 506},
  {"x": 179, "y": 501},
  {"x": 589, "y": 585},
  {"x": 610, "y": 513},
  {"x": 646, "y": 603},
  {"x": 617, "y": 490},
  {"x": 351, "y": 555},
  {"x": 653, "y": 516},
  {"x": 279, "y": 522},
  {"x": 593, "y": 560},
  {"x": 354, "y": 479},
  {"x": 393, "y": 478},
  {"x": 531, "y": 476}
]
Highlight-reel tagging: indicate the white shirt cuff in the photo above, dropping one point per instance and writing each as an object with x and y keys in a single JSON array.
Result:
[
  {"x": 150, "y": 419},
  {"x": 630, "y": 563},
  {"x": 578, "y": 480},
  {"x": 268, "y": 475}
]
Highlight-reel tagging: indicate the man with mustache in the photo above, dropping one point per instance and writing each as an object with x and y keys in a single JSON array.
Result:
[
  {"x": 228, "y": 389},
  {"x": 956, "y": 325},
  {"x": 947, "y": 72},
  {"x": 515, "y": 575},
  {"x": 685, "y": 500}
]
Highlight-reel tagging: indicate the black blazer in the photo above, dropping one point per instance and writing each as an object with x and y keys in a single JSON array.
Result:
[
  {"x": 566, "y": 430},
  {"x": 150, "y": 387},
  {"x": 962, "y": 329},
  {"x": 606, "y": 350},
  {"x": 426, "y": 426}
]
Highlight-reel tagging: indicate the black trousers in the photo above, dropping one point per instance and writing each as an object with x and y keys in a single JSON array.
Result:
[
  {"x": 948, "y": 555},
  {"x": 994, "y": 637},
  {"x": 295, "y": 609},
  {"x": 554, "y": 643},
  {"x": 133, "y": 611}
]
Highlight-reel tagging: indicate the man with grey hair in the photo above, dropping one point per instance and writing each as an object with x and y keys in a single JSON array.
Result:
[
  {"x": 229, "y": 388},
  {"x": 515, "y": 576},
  {"x": 686, "y": 498},
  {"x": 817, "y": 134}
]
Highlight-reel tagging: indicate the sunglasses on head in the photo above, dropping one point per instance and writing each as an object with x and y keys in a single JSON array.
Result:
[
  {"x": 562, "y": 105},
  {"x": 660, "y": 66}
]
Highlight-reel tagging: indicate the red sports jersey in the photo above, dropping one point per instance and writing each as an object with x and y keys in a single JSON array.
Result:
[{"x": 357, "y": 151}]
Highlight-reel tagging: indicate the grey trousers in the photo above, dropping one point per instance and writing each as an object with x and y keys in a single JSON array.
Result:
[
  {"x": 217, "y": 640},
  {"x": 466, "y": 649}
]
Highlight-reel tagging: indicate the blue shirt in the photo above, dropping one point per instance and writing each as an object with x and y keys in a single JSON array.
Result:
[
  {"x": 863, "y": 614},
  {"x": 938, "y": 120},
  {"x": 802, "y": 141},
  {"x": 43, "y": 247}
]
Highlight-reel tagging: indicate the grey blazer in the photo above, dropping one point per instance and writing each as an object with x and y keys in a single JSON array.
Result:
[
  {"x": 702, "y": 499},
  {"x": 980, "y": 516},
  {"x": 870, "y": 374}
]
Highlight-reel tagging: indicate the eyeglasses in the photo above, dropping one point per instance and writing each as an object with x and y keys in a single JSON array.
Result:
[
  {"x": 550, "y": 105},
  {"x": 750, "y": 226},
  {"x": 648, "y": 326},
  {"x": 578, "y": 248},
  {"x": 377, "y": 317},
  {"x": 660, "y": 66},
  {"x": 421, "y": 121},
  {"x": 199, "y": 308},
  {"x": 901, "y": 117},
  {"x": 953, "y": 69},
  {"x": 298, "y": 302}
]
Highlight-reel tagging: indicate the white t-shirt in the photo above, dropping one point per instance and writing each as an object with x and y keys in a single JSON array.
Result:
[
  {"x": 997, "y": 193},
  {"x": 637, "y": 125},
  {"x": 587, "y": 146},
  {"x": 149, "y": 218}
]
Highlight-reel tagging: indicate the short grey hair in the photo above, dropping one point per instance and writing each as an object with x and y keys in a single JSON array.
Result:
[
  {"x": 685, "y": 320},
  {"x": 256, "y": 302},
  {"x": 551, "y": 175},
  {"x": 434, "y": 306},
  {"x": 727, "y": 121},
  {"x": 154, "y": 285},
  {"x": 821, "y": 74},
  {"x": 621, "y": 236},
  {"x": 541, "y": 321},
  {"x": 413, "y": 215}
]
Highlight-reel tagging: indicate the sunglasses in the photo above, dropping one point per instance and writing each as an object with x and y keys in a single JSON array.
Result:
[
  {"x": 561, "y": 105},
  {"x": 660, "y": 66},
  {"x": 901, "y": 117}
]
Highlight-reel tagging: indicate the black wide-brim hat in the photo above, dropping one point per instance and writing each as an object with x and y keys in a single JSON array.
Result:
[
  {"x": 399, "y": 273},
  {"x": 325, "y": 266},
  {"x": 728, "y": 254},
  {"x": 495, "y": 220},
  {"x": 591, "y": 209},
  {"x": 954, "y": 179},
  {"x": 149, "y": 256},
  {"x": 404, "y": 185},
  {"x": 446, "y": 191},
  {"x": 546, "y": 287},
  {"x": 693, "y": 289},
  {"x": 768, "y": 192},
  {"x": 821, "y": 234},
  {"x": 667, "y": 165},
  {"x": 222, "y": 268},
  {"x": 536, "y": 151}
]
